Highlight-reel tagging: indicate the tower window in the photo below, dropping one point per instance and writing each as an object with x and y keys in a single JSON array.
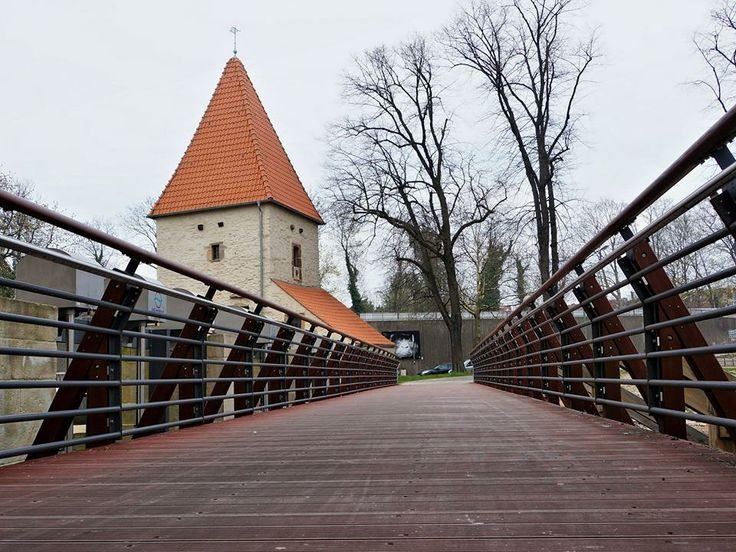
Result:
[
  {"x": 215, "y": 252},
  {"x": 296, "y": 262}
]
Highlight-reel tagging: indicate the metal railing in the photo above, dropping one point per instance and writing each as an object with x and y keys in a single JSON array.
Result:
[
  {"x": 569, "y": 344},
  {"x": 90, "y": 355}
]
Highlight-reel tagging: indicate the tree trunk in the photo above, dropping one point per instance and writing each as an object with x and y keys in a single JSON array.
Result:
[
  {"x": 456, "y": 343},
  {"x": 543, "y": 234},
  {"x": 455, "y": 318},
  {"x": 553, "y": 243},
  {"x": 476, "y": 327}
]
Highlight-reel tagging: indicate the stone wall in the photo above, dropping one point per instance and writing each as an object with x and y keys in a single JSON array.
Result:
[
  {"x": 180, "y": 239},
  {"x": 280, "y": 237},
  {"x": 17, "y": 401}
]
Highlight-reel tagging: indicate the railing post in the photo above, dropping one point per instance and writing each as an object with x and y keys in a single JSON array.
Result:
[
  {"x": 317, "y": 370},
  {"x": 199, "y": 372},
  {"x": 70, "y": 398},
  {"x": 657, "y": 396},
  {"x": 333, "y": 366},
  {"x": 673, "y": 398},
  {"x": 111, "y": 371},
  {"x": 601, "y": 349},
  {"x": 299, "y": 363},
  {"x": 344, "y": 373},
  {"x": 241, "y": 353},
  {"x": 531, "y": 340},
  {"x": 199, "y": 321},
  {"x": 115, "y": 394},
  {"x": 574, "y": 356},
  {"x": 275, "y": 364},
  {"x": 519, "y": 365},
  {"x": 543, "y": 332},
  {"x": 510, "y": 363},
  {"x": 566, "y": 367},
  {"x": 651, "y": 345}
]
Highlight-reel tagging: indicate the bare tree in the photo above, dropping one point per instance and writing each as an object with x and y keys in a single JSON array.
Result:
[
  {"x": 98, "y": 252},
  {"x": 718, "y": 50},
  {"x": 691, "y": 226},
  {"x": 533, "y": 70},
  {"x": 485, "y": 249},
  {"x": 404, "y": 291},
  {"x": 393, "y": 165},
  {"x": 328, "y": 270},
  {"x": 20, "y": 226},
  {"x": 348, "y": 234},
  {"x": 590, "y": 220},
  {"x": 138, "y": 226}
]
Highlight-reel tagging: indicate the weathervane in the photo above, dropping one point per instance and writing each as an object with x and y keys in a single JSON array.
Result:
[{"x": 235, "y": 32}]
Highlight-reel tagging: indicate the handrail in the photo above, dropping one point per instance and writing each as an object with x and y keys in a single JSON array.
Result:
[
  {"x": 721, "y": 132},
  {"x": 10, "y": 201},
  {"x": 665, "y": 371},
  {"x": 128, "y": 369}
]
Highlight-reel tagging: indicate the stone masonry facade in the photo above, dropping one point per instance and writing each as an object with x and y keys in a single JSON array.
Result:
[{"x": 236, "y": 230}]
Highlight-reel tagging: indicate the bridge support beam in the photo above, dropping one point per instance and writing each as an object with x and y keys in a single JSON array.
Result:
[
  {"x": 705, "y": 367},
  {"x": 272, "y": 376},
  {"x": 318, "y": 367},
  {"x": 601, "y": 368},
  {"x": 576, "y": 356},
  {"x": 298, "y": 365},
  {"x": 242, "y": 354},
  {"x": 550, "y": 358},
  {"x": 200, "y": 320},
  {"x": 70, "y": 398},
  {"x": 333, "y": 368}
]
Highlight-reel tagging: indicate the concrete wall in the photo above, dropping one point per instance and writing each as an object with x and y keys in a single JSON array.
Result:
[
  {"x": 16, "y": 401},
  {"x": 434, "y": 340},
  {"x": 180, "y": 239},
  {"x": 435, "y": 346}
]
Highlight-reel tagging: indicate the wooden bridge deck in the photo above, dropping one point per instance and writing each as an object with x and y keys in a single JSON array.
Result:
[{"x": 442, "y": 465}]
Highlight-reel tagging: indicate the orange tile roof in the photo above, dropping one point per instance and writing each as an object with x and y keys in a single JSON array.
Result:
[
  {"x": 235, "y": 157},
  {"x": 332, "y": 312}
]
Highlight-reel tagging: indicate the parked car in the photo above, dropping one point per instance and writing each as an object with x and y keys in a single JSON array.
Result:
[{"x": 444, "y": 368}]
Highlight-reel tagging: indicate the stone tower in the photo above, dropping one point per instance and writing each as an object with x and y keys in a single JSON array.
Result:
[{"x": 235, "y": 207}]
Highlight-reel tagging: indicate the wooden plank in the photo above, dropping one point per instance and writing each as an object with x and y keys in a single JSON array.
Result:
[{"x": 436, "y": 465}]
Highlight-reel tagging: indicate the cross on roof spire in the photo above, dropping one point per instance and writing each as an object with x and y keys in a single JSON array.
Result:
[{"x": 235, "y": 32}]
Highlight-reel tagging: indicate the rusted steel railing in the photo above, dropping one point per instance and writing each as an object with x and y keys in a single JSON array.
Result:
[
  {"x": 572, "y": 341},
  {"x": 90, "y": 355}
]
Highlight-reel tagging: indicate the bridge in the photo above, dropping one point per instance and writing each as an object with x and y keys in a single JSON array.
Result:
[
  {"x": 428, "y": 466},
  {"x": 138, "y": 417}
]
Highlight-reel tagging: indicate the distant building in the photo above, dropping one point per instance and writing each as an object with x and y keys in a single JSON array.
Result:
[{"x": 236, "y": 209}]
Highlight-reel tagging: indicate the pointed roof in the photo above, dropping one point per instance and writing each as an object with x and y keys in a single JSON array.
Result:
[
  {"x": 331, "y": 311},
  {"x": 235, "y": 157}
]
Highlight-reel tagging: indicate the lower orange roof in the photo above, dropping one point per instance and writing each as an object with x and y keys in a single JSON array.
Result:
[{"x": 333, "y": 313}]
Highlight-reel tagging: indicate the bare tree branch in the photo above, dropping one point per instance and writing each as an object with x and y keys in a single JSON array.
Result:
[
  {"x": 392, "y": 164},
  {"x": 533, "y": 70}
]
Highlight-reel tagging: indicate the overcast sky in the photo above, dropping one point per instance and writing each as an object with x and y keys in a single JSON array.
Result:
[{"x": 98, "y": 100}]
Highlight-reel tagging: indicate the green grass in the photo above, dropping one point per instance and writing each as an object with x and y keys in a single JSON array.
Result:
[{"x": 404, "y": 379}]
